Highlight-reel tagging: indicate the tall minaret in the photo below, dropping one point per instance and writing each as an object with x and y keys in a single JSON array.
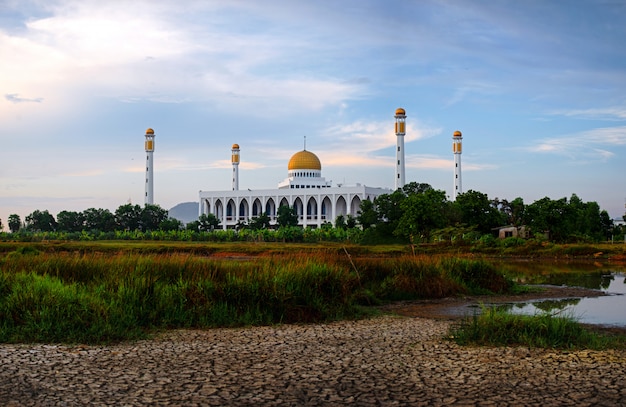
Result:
[
  {"x": 235, "y": 160},
  {"x": 457, "y": 137},
  {"x": 400, "y": 131},
  {"x": 149, "y": 199}
]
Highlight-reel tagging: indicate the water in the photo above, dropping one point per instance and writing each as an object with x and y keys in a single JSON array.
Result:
[{"x": 609, "y": 310}]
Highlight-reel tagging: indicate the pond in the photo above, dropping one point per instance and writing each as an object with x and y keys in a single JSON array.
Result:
[{"x": 607, "y": 310}]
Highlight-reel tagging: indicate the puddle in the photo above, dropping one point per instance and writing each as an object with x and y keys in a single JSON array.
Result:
[{"x": 608, "y": 310}]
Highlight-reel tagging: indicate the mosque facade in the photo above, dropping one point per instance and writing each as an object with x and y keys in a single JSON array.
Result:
[{"x": 315, "y": 199}]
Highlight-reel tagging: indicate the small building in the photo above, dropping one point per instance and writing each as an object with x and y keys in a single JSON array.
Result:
[{"x": 513, "y": 231}]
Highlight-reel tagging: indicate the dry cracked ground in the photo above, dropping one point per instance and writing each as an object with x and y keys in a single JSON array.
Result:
[{"x": 384, "y": 361}]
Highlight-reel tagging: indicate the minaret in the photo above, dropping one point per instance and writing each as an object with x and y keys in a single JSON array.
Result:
[
  {"x": 149, "y": 199},
  {"x": 457, "y": 137},
  {"x": 400, "y": 131},
  {"x": 235, "y": 160}
]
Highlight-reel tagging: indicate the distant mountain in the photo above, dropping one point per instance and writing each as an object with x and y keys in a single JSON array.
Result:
[{"x": 185, "y": 212}]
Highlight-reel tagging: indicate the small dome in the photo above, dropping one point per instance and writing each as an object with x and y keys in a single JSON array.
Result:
[
  {"x": 304, "y": 160},
  {"x": 400, "y": 112},
  {"x": 235, "y": 146},
  {"x": 149, "y": 131},
  {"x": 457, "y": 134}
]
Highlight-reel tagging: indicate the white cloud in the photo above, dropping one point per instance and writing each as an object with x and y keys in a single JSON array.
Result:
[
  {"x": 607, "y": 113},
  {"x": 584, "y": 144}
]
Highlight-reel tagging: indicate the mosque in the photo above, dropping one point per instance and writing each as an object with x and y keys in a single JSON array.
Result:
[{"x": 315, "y": 200}]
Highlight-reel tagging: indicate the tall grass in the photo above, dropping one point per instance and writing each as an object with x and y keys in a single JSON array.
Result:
[
  {"x": 83, "y": 296},
  {"x": 494, "y": 327}
]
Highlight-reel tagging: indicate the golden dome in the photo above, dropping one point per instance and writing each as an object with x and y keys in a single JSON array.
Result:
[
  {"x": 304, "y": 160},
  {"x": 400, "y": 112},
  {"x": 149, "y": 131},
  {"x": 457, "y": 134},
  {"x": 235, "y": 146}
]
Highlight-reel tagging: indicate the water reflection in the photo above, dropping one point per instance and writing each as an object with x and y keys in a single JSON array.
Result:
[
  {"x": 605, "y": 310},
  {"x": 587, "y": 274}
]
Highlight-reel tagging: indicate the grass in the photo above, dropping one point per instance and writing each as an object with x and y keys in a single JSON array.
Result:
[
  {"x": 495, "y": 327},
  {"x": 96, "y": 296}
]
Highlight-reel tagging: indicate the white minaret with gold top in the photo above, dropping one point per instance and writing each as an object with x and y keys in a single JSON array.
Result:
[
  {"x": 400, "y": 132},
  {"x": 235, "y": 160},
  {"x": 457, "y": 139},
  {"x": 149, "y": 198}
]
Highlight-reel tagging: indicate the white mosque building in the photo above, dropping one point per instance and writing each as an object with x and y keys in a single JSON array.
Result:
[{"x": 316, "y": 200}]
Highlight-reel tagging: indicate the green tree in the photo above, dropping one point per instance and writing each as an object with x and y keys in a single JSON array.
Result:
[
  {"x": 340, "y": 222},
  {"x": 99, "y": 220},
  {"x": 367, "y": 216},
  {"x": 15, "y": 223},
  {"x": 1, "y": 225},
  {"x": 389, "y": 211},
  {"x": 41, "y": 221},
  {"x": 260, "y": 222},
  {"x": 515, "y": 212},
  {"x": 547, "y": 216},
  {"x": 350, "y": 222},
  {"x": 422, "y": 213},
  {"x": 476, "y": 210},
  {"x": 606, "y": 224},
  {"x": 286, "y": 216},
  {"x": 128, "y": 217},
  {"x": 151, "y": 217},
  {"x": 415, "y": 188},
  {"x": 208, "y": 222},
  {"x": 171, "y": 224},
  {"x": 70, "y": 221}
]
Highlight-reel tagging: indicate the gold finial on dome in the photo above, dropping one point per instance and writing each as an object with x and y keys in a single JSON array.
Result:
[
  {"x": 304, "y": 160},
  {"x": 400, "y": 112},
  {"x": 457, "y": 134},
  {"x": 235, "y": 146},
  {"x": 149, "y": 131}
]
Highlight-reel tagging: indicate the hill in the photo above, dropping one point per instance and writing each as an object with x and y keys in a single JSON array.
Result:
[{"x": 185, "y": 212}]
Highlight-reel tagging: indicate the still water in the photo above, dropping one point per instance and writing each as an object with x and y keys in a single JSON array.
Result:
[{"x": 608, "y": 310}]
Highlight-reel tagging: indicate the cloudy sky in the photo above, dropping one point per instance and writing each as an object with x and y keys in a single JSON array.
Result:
[{"x": 538, "y": 89}]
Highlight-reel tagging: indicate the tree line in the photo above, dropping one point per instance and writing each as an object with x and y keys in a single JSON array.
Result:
[
  {"x": 415, "y": 213},
  {"x": 419, "y": 213}
]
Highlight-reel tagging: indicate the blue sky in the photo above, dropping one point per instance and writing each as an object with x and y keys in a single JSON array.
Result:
[{"x": 538, "y": 89}]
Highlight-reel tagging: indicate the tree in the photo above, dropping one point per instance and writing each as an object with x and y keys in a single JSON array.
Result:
[
  {"x": 208, "y": 222},
  {"x": 15, "y": 223},
  {"x": 1, "y": 226},
  {"x": 606, "y": 224},
  {"x": 286, "y": 216},
  {"x": 128, "y": 217},
  {"x": 41, "y": 221},
  {"x": 388, "y": 207},
  {"x": 99, "y": 220},
  {"x": 421, "y": 213},
  {"x": 70, "y": 221},
  {"x": 151, "y": 217},
  {"x": 350, "y": 222},
  {"x": 477, "y": 210},
  {"x": 171, "y": 224},
  {"x": 260, "y": 222},
  {"x": 547, "y": 215},
  {"x": 367, "y": 216},
  {"x": 415, "y": 188},
  {"x": 340, "y": 222}
]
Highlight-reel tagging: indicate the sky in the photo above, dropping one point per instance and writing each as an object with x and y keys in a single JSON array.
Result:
[{"x": 537, "y": 87}]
